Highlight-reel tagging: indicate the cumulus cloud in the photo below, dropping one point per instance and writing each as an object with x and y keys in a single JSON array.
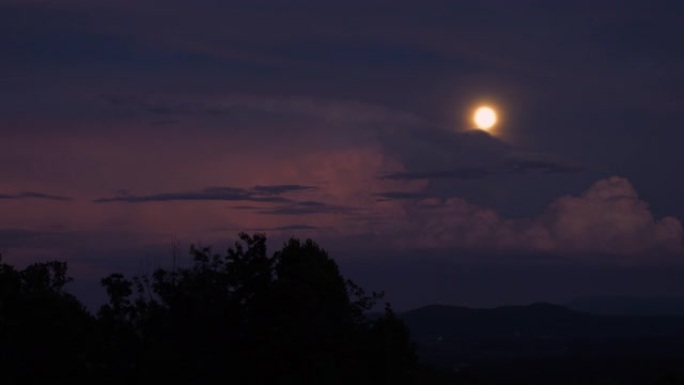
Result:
[{"x": 608, "y": 218}]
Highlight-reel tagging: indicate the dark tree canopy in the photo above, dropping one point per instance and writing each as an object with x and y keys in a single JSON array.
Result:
[
  {"x": 41, "y": 326},
  {"x": 244, "y": 316},
  {"x": 289, "y": 318}
]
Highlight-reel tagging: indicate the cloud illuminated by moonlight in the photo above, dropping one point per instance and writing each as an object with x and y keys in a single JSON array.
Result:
[{"x": 608, "y": 218}]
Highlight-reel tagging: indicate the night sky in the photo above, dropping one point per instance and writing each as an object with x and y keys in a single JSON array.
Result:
[{"x": 127, "y": 127}]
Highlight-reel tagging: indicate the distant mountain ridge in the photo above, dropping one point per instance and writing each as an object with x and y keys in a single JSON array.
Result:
[
  {"x": 628, "y": 305},
  {"x": 449, "y": 334},
  {"x": 534, "y": 320}
]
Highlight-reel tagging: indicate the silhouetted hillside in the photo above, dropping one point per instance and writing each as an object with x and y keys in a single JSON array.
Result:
[
  {"x": 290, "y": 317},
  {"x": 544, "y": 343},
  {"x": 538, "y": 321},
  {"x": 625, "y": 305}
]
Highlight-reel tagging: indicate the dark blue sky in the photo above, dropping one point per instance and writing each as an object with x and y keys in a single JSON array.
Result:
[{"x": 126, "y": 126}]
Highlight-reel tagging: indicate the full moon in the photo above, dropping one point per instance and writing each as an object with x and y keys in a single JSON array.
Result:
[{"x": 484, "y": 118}]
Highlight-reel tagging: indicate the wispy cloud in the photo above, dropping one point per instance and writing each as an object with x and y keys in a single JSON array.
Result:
[
  {"x": 281, "y": 189},
  {"x": 256, "y": 194},
  {"x": 295, "y": 227},
  {"x": 526, "y": 166},
  {"x": 307, "y": 208},
  {"x": 513, "y": 166},
  {"x": 325, "y": 109},
  {"x": 34, "y": 195},
  {"x": 457, "y": 173},
  {"x": 398, "y": 195}
]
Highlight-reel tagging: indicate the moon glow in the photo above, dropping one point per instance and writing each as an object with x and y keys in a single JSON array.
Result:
[{"x": 484, "y": 118}]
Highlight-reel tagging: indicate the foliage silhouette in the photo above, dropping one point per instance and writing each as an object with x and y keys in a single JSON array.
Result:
[
  {"x": 286, "y": 318},
  {"x": 243, "y": 316},
  {"x": 290, "y": 317},
  {"x": 42, "y": 328}
]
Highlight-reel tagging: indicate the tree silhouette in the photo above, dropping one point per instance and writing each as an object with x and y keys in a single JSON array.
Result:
[
  {"x": 243, "y": 316},
  {"x": 42, "y": 328},
  {"x": 286, "y": 318}
]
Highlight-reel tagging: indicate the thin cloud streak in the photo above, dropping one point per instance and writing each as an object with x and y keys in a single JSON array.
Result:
[
  {"x": 511, "y": 167},
  {"x": 308, "y": 208},
  {"x": 34, "y": 195},
  {"x": 256, "y": 194}
]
